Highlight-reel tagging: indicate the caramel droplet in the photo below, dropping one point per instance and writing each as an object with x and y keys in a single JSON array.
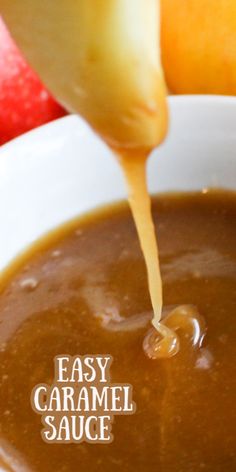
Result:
[{"x": 162, "y": 341}]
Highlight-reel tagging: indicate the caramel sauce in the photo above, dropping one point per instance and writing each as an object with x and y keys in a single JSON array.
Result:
[
  {"x": 134, "y": 169},
  {"x": 184, "y": 318},
  {"x": 162, "y": 341},
  {"x": 107, "y": 68},
  {"x": 84, "y": 289}
]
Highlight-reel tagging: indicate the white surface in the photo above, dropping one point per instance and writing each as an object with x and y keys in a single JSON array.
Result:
[{"x": 62, "y": 169}]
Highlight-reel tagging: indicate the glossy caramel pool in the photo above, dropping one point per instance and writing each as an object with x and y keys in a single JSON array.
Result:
[{"x": 61, "y": 297}]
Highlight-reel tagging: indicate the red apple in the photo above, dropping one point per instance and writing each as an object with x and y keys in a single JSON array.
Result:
[{"x": 24, "y": 101}]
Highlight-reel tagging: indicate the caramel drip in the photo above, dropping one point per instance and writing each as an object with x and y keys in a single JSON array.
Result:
[
  {"x": 134, "y": 169},
  {"x": 162, "y": 341}
]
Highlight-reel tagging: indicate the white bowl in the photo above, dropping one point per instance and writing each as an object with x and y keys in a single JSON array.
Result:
[{"x": 62, "y": 169}]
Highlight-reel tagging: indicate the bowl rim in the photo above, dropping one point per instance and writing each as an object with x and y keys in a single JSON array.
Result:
[
  {"x": 186, "y": 100},
  {"x": 28, "y": 209}
]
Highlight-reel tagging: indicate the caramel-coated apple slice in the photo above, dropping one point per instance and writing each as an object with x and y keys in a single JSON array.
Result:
[{"x": 101, "y": 59}]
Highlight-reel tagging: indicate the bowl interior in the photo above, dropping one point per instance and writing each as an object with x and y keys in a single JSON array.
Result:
[{"x": 63, "y": 169}]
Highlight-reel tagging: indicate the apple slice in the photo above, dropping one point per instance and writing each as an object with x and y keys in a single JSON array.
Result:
[{"x": 101, "y": 59}]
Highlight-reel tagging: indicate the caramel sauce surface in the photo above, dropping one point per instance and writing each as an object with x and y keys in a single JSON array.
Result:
[{"x": 84, "y": 289}]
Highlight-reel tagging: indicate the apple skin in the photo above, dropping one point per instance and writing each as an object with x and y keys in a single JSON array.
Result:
[{"x": 25, "y": 103}]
